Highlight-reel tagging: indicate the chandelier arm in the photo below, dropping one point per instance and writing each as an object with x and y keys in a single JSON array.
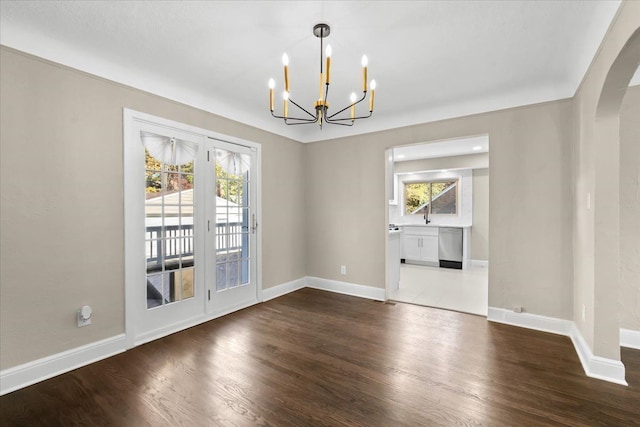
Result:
[
  {"x": 297, "y": 119},
  {"x": 296, "y": 104},
  {"x": 294, "y": 118},
  {"x": 334, "y": 121},
  {"x": 301, "y": 123},
  {"x": 364, "y": 95}
]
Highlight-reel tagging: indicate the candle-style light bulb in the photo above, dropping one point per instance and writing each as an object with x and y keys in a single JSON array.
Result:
[
  {"x": 272, "y": 85},
  {"x": 373, "y": 92},
  {"x": 365, "y": 62},
  {"x": 327, "y": 53},
  {"x": 353, "y": 106},
  {"x": 285, "y": 97},
  {"x": 285, "y": 62}
]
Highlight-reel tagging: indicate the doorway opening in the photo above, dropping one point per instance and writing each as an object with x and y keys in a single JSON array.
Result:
[{"x": 439, "y": 224}]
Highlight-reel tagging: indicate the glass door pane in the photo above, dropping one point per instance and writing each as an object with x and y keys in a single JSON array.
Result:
[
  {"x": 233, "y": 207},
  {"x": 169, "y": 213}
]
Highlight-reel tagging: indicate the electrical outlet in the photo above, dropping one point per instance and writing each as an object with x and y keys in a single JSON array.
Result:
[
  {"x": 517, "y": 308},
  {"x": 584, "y": 312},
  {"x": 84, "y": 314},
  {"x": 343, "y": 270}
]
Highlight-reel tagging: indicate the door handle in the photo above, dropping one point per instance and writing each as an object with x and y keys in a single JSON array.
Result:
[{"x": 254, "y": 223}]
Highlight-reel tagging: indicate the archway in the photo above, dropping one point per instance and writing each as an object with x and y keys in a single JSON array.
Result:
[{"x": 606, "y": 268}]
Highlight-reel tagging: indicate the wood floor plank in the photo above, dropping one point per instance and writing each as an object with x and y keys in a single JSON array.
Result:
[{"x": 314, "y": 358}]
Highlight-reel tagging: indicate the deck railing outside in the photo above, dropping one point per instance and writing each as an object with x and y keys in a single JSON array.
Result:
[{"x": 177, "y": 242}]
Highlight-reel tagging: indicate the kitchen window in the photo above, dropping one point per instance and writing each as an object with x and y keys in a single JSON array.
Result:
[{"x": 439, "y": 197}]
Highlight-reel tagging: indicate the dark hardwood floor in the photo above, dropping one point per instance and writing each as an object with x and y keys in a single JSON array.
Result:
[{"x": 313, "y": 358}]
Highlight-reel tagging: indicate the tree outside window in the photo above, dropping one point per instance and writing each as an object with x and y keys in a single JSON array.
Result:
[
  {"x": 439, "y": 197},
  {"x": 180, "y": 178}
]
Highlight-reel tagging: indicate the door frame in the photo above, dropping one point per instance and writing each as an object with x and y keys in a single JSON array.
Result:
[
  {"x": 391, "y": 184},
  {"x": 132, "y": 264}
]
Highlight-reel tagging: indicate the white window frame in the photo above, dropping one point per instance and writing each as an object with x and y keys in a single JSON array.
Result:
[{"x": 431, "y": 181}]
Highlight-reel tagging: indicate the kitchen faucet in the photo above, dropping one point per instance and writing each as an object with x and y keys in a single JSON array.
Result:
[{"x": 426, "y": 214}]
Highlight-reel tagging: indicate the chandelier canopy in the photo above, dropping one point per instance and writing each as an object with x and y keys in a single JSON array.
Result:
[{"x": 321, "y": 105}]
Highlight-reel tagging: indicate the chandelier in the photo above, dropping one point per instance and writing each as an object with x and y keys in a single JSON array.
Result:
[{"x": 321, "y": 105}]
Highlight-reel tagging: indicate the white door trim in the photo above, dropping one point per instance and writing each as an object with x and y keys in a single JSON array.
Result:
[{"x": 132, "y": 223}]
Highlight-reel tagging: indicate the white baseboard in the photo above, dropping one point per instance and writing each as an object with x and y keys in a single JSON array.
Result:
[
  {"x": 480, "y": 263},
  {"x": 630, "y": 338},
  {"x": 189, "y": 323},
  {"x": 336, "y": 286},
  {"x": 164, "y": 331},
  {"x": 39, "y": 370},
  {"x": 283, "y": 289},
  {"x": 594, "y": 366},
  {"x": 21, "y": 376},
  {"x": 361, "y": 291},
  {"x": 530, "y": 321}
]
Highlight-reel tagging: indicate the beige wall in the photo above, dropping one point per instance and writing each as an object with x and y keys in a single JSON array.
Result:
[
  {"x": 529, "y": 211},
  {"x": 596, "y": 171},
  {"x": 62, "y": 203},
  {"x": 480, "y": 229},
  {"x": 630, "y": 210}
]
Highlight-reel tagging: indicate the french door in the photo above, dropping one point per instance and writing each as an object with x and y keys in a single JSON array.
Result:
[
  {"x": 190, "y": 228},
  {"x": 231, "y": 229}
]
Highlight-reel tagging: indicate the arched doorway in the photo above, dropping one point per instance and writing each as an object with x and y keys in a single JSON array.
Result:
[{"x": 606, "y": 196}]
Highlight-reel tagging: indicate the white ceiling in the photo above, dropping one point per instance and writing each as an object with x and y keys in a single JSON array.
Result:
[{"x": 432, "y": 60}]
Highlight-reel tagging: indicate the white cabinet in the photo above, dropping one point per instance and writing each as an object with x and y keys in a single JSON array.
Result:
[
  {"x": 420, "y": 245},
  {"x": 430, "y": 248},
  {"x": 412, "y": 246}
]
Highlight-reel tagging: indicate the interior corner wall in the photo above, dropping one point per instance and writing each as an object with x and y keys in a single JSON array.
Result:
[
  {"x": 530, "y": 206},
  {"x": 599, "y": 299},
  {"x": 630, "y": 210},
  {"x": 62, "y": 212},
  {"x": 480, "y": 229}
]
